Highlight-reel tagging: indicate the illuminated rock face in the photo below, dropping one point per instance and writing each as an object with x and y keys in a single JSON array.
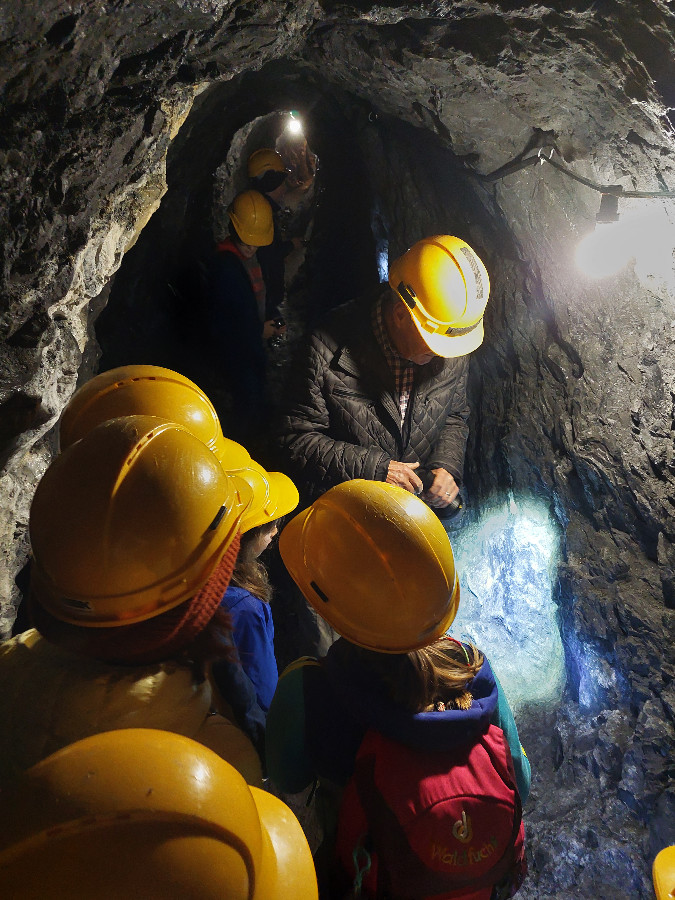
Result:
[
  {"x": 507, "y": 565},
  {"x": 109, "y": 112}
]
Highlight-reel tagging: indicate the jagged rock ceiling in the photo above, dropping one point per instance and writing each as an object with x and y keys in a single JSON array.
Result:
[{"x": 574, "y": 389}]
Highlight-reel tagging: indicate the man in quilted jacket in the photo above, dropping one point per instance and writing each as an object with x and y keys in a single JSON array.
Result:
[{"x": 382, "y": 394}]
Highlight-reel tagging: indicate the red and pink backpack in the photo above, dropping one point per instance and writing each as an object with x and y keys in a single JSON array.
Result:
[{"x": 420, "y": 825}]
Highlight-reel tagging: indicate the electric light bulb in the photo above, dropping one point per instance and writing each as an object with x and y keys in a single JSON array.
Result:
[
  {"x": 294, "y": 126},
  {"x": 655, "y": 247}
]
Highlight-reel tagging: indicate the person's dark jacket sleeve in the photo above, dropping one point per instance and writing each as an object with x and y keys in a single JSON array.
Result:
[
  {"x": 448, "y": 451},
  {"x": 311, "y": 450}
]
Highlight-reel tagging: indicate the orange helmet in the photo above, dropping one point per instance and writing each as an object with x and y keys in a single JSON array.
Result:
[
  {"x": 145, "y": 391},
  {"x": 265, "y": 160},
  {"x": 274, "y": 495},
  {"x": 663, "y": 873},
  {"x": 130, "y": 521},
  {"x": 251, "y": 215}
]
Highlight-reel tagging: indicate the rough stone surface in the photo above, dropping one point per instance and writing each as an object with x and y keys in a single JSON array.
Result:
[{"x": 115, "y": 118}]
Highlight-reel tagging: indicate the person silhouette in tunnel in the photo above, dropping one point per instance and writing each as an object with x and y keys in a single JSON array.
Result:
[
  {"x": 381, "y": 391},
  {"x": 235, "y": 322},
  {"x": 268, "y": 175}
]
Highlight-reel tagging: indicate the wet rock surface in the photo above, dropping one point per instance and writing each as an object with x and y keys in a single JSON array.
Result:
[{"x": 115, "y": 119}]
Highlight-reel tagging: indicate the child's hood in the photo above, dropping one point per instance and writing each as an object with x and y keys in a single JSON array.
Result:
[{"x": 370, "y": 704}]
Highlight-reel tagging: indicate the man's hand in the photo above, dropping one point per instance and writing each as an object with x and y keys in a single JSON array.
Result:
[
  {"x": 403, "y": 474},
  {"x": 443, "y": 489}
]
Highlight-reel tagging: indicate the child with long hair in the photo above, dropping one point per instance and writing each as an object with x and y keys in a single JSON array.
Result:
[
  {"x": 396, "y": 710},
  {"x": 248, "y": 595}
]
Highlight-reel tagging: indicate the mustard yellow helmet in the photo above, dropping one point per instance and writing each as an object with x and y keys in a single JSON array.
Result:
[
  {"x": 251, "y": 215},
  {"x": 147, "y": 391},
  {"x": 274, "y": 495},
  {"x": 663, "y": 873},
  {"x": 375, "y": 562},
  {"x": 145, "y": 813},
  {"x": 130, "y": 521},
  {"x": 446, "y": 287},
  {"x": 265, "y": 160}
]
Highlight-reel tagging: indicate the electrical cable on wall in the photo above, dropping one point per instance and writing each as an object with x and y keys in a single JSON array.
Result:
[
  {"x": 540, "y": 157},
  {"x": 648, "y": 240}
]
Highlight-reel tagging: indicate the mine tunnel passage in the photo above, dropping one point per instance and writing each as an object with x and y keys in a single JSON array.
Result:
[{"x": 380, "y": 186}]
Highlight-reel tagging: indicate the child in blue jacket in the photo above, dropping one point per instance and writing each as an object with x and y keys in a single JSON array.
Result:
[{"x": 248, "y": 595}]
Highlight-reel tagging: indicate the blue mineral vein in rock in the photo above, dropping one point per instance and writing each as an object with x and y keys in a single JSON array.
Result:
[{"x": 506, "y": 561}]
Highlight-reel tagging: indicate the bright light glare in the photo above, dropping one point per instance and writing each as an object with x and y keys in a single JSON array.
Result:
[
  {"x": 646, "y": 236},
  {"x": 505, "y": 565},
  {"x": 604, "y": 251},
  {"x": 200, "y": 773},
  {"x": 294, "y": 126}
]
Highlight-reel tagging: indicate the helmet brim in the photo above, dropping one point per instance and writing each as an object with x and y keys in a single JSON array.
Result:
[
  {"x": 274, "y": 496},
  {"x": 285, "y": 492},
  {"x": 450, "y": 347}
]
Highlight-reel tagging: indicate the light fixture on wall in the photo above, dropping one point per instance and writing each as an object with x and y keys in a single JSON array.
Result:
[
  {"x": 607, "y": 249},
  {"x": 609, "y": 209},
  {"x": 647, "y": 238}
]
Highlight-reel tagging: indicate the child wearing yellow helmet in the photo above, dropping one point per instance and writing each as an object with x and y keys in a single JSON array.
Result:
[
  {"x": 134, "y": 531},
  {"x": 249, "y": 592},
  {"x": 412, "y": 724}
]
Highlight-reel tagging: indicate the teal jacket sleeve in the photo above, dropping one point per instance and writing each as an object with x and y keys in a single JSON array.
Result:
[
  {"x": 288, "y": 763},
  {"x": 503, "y": 718}
]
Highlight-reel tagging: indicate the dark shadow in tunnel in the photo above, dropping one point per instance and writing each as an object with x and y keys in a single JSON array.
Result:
[
  {"x": 144, "y": 320},
  {"x": 150, "y": 316}
]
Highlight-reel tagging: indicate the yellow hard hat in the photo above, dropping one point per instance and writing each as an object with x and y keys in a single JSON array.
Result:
[
  {"x": 231, "y": 455},
  {"x": 130, "y": 521},
  {"x": 274, "y": 495},
  {"x": 152, "y": 814},
  {"x": 251, "y": 215},
  {"x": 375, "y": 562},
  {"x": 265, "y": 160},
  {"x": 446, "y": 288},
  {"x": 145, "y": 391},
  {"x": 663, "y": 873}
]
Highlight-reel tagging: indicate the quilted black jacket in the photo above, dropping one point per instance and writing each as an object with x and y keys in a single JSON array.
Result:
[{"x": 344, "y": 421}]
